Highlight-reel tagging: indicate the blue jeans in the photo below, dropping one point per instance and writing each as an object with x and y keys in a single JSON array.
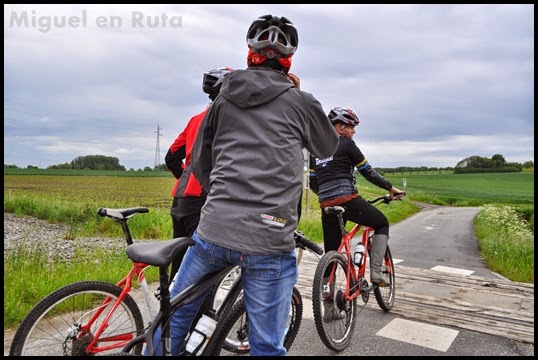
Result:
[{"x": 268, "y": 285}]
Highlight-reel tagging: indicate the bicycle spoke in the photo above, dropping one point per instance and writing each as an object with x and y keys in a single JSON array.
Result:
[{"x": 333, "y": 314}]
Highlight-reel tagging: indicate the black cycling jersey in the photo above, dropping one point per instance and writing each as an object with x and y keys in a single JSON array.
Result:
[
  {"x": 333, "y": 180},
  {"x": 336, "y": 174},
  {"x": 341, "y": 165}
]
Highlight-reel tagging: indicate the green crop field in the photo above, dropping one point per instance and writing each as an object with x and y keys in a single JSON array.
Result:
[
  {"x": 96, "y": 191},
  {"x": 125, "y": 188},
  {"x": 65, "y": 172},
  {"x": 74, "y": 200},
  {"x": 473, "y": 189}
]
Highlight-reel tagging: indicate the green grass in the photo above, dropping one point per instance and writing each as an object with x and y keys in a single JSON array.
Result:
[
  {"x": 29, "y": 273},
  {"x": 506, "y": 242},
  {"x": 467, "y": 189}
]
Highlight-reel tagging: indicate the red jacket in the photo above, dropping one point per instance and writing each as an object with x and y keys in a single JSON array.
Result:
[{"x": 186, "y": 184}]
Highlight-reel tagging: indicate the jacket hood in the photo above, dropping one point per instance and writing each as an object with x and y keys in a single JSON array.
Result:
[{"x": 254, "y": 86}]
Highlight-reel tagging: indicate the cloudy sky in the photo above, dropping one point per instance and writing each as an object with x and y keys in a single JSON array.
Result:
[{"x": 431, "y": 84}]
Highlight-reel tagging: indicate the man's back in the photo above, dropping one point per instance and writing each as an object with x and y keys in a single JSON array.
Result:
[{"x": 249, "y": 156}]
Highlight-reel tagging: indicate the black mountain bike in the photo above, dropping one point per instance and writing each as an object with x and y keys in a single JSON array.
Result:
[{"x": 99, "y": 318}]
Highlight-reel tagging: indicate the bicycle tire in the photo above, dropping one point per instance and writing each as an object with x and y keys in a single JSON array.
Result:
[
  {"x": 45, "y": 329},
  {"x": 385, "y": 295},
  {"x": 223, "y": 287},
  {"x": 236, "y": 323},
  {"x": 334, "y": 332}
]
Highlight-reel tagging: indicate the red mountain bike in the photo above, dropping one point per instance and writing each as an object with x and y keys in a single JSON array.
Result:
[{"x": 338, "y": 283}]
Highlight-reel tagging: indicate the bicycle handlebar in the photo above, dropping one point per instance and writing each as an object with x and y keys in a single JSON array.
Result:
[
  {"x": 305, "y": 243},
  {"x": 386, "y": 198}
]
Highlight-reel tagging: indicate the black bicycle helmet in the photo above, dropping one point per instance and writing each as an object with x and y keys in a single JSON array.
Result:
[
  {"x": 344, "y": 116},
  {"x": 273, "y": 32},
  {"x": 213, "y": 79}
]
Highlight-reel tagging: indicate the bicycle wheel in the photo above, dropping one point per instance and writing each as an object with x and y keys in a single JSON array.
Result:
[
  {"x": 385, "y": 295},
  {"x": 59, "y": 324},
  {"x": 224, "y": 287},
  {"x": 232, "y": 337},
  {"x": 334, "y": 317}
]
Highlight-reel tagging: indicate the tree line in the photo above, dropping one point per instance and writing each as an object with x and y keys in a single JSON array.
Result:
[{"x": 472, "y": 164}]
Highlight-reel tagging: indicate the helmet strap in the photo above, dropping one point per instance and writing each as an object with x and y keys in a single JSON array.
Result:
[
  {"x": 254, "y": 58},
  {"x": 286, "y": 62}
]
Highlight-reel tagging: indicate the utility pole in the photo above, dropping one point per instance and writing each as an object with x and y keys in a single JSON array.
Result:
[{"x": 157, "y": 164}]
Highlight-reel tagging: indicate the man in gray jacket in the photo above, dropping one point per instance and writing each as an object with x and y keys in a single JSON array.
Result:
[{"x": 248, "y": 156}]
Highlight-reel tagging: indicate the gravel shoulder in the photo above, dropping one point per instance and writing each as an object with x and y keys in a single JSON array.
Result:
[{"x": 31, "y": 232}]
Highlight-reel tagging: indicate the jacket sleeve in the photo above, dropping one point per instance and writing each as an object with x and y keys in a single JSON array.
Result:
[
  {"x": 201, "y": 154},
  {"x": 322, "y": 141},
  {"x": 175, "y": 155},
  {"x": 373, "y": 176},
  {"x": 174, "y": 161}
]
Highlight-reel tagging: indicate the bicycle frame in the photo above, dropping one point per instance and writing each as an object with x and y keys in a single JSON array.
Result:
[
  {"x": 345, "y": 249},
  {"x": 167, "y": 306},
  {"x": 161, "y": 317},
  {"x": 177, "y": 301},
  {"x": 351, "y": 269},
  {"x": 126, "y": 285},
  {"x": 339, "y": 281}
]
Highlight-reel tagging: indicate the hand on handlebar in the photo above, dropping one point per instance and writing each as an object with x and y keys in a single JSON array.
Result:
[{"x": 396, "y": 194}]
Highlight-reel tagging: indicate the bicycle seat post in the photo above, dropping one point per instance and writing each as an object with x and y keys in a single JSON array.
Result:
[
  {"x": 126, "y": 231},
  {"x": 164, "y": 298}
]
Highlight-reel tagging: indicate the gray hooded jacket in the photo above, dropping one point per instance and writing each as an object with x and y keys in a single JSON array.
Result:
[{"x": 248, "y": 156}]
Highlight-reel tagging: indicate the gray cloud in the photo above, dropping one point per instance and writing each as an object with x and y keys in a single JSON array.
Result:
[{"x": 432, "y": 84}]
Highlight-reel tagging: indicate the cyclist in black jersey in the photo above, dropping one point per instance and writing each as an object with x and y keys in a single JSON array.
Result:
[{"x": 333, "y": 180}]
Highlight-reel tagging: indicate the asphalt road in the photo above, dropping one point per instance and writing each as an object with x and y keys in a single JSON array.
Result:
[{"x": 437, "y": 236}]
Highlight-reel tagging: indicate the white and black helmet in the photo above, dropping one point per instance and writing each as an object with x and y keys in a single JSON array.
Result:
[
  {"x": 273, "y": 32},
  {"x": 213, "y": 79},
  {"x": 344, "y": 116}
]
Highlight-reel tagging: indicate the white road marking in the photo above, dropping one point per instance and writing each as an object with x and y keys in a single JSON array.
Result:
[
  {"x": 412, "y": 332},
  {"x": 452, "y": 270}
]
